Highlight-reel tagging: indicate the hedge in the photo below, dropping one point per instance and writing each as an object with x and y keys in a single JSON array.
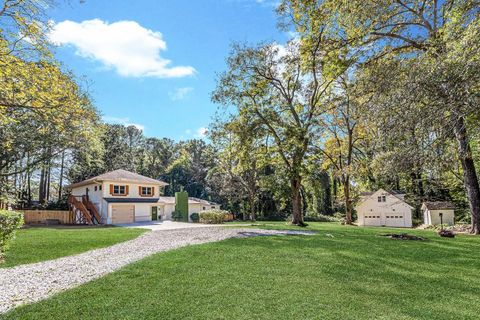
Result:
[
  {"x": 213, "y": 216},
  {"x": 10, "y": 221}
]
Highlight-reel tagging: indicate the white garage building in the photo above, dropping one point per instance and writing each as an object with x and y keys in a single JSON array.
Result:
[{"x": 384, "y": 209}]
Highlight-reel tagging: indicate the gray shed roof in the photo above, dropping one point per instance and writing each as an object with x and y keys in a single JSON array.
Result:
[
  {"x": 119, "y": 175},
  {"x": 438, "y": 205}
]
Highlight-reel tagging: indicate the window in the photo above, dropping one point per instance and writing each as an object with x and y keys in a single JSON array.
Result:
[
  {"x": 119, "y": 190},
  {"x": 100, "y": 188},
  {"x": 379, "y": 199},
  {"x": 384, "y": 199},
  {"x": 204, "y": 208},
  {"x": 401, "y": 217},
  {"x": 146, "y": 191},
  {"x": 95, "y": 188},
  {"x": 213, "y": 207},
  {"x": 378, "y": 216}
]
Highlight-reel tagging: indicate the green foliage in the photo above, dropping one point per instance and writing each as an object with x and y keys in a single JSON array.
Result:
[
  {"x": 195, "y": 217},
  {"x": 213, "y": 216},
  {"x": 10, "y": 221},
  {"x": 322, "y": 218},
  {"x": 177, "y": 216},
  {"x": 181, "y": 204}
]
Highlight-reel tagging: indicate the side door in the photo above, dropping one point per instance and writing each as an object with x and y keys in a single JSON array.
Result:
[{"x": 154, "y": 213}]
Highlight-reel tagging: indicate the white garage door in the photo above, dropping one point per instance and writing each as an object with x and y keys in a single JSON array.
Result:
[
  {"x": 372, "y": 219},
  {"x": 123, "y": 214},
  {"x": 394, "y": 220}
]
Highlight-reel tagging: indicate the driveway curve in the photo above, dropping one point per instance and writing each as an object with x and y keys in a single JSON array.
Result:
[{"x": 34, "y": 282}]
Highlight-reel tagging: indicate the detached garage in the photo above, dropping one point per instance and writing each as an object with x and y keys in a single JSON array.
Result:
[{"x": 384, "y": 208}]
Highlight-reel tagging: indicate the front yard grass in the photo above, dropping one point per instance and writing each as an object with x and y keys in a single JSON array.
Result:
[
  {"x": 342, "y": 272},
  {"x": 37, "y": 244}
]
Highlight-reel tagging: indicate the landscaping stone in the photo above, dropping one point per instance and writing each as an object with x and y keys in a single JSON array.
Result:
[{"x": 33, "y": 282}]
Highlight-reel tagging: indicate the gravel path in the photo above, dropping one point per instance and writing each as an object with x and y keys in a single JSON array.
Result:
[{"x": 37, "y": 281}]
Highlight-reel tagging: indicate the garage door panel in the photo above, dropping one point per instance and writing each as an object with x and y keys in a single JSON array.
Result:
[{"x": 123, "y": 214}]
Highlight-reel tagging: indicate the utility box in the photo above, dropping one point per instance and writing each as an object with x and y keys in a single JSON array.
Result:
[{"x": 181, "y": 204}]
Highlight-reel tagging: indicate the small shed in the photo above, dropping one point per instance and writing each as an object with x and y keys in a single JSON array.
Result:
[{"x": 433, "y": 210}]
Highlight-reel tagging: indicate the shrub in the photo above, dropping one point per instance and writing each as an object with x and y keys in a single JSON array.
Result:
[
  {"x": 321, "y": 218},
  {"x": 177, "y": 216},
  {"x": 195, "y": 217},
  {"x": 9, "y": 222},
  {"x": 213, "y": 216}
]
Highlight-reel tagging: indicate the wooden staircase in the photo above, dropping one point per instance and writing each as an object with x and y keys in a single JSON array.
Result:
[{"x": 83, "y": 211}]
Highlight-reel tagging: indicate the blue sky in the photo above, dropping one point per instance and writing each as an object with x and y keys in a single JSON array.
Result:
[{"x": 123, "y": 49}]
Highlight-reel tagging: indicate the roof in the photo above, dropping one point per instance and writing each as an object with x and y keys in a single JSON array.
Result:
[
  {"x": 131, "y": 200},
  {"x": 396, "y": 193},
  {"x": 119, "y": 175},
  {"x": 438, "y": 205},
  {"x": 191, "y": 200}
]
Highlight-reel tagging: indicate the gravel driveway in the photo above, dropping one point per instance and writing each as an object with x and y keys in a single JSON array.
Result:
[{"x": 37, "y": 281}]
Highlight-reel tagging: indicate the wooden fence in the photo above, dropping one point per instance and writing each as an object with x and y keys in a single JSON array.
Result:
[{"x": 40, "y": 216}]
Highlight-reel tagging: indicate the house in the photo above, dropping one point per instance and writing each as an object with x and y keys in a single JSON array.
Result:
[
  {"x": 384, "y": 208},
  {"x": 432, "y": 211},
  {"x": 121, "y": 196}
]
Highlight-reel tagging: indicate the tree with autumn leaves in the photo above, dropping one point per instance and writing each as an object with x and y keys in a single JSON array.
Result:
[{"x": 44, "y": 111}]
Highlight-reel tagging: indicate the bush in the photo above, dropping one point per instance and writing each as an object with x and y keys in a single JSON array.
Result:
[
  {"x": 213, "y": 216},
  {"x": 10, "y": 221},
  {"x": 195, "y": 217},
  {"x": 177, "y": 216},
  {"x": 321, "y": 218}
]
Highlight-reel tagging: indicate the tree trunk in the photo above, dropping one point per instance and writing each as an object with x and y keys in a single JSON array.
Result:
[
  {"x": 47, "y": 189},
  {"x": 348, "y": 200},
  {"x": 41, "y": 187},
  {"x": 252, "y": 207},
  {"x": 297, "y": 215},
  {"x": 470, "y": 178},
  {"x": 60, "y": 182}
]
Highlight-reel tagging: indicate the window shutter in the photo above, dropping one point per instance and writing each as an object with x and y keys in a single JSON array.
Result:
[
  {"x": 139, "y": 190},
  {"x": 111, "y": 189},
  {"x": 126, "y": 190},
  {"x": 153, "y": 191}
]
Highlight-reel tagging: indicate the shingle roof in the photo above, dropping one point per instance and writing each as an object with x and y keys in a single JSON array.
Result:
[
  {"x": 438, "y": 205},
  {"x": 191, "y": 200},
  {"x": 119, "y": 175}
]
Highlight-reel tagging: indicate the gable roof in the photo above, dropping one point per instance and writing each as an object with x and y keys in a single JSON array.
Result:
[
  {"x": 395, "y": 193},
  {"x": 119, "y": 175},
  {"x": 438, "y": 205}
]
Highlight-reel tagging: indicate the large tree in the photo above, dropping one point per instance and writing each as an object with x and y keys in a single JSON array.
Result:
[
  {"x": 441, "y": 36},
  {"x": 284, "y": 88}
]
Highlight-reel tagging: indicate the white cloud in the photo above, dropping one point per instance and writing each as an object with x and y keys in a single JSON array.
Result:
[
  {"x": 180, "y": 93},
  {"x": 126, "y": 46},
  {"x": 201, "y": 132},
  {"x": 124, "y": 121}
]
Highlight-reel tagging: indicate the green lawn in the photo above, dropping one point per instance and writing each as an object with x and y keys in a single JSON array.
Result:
[
  {"x": 355, "y": 275},
  {"x": 39, "y": 243}
]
